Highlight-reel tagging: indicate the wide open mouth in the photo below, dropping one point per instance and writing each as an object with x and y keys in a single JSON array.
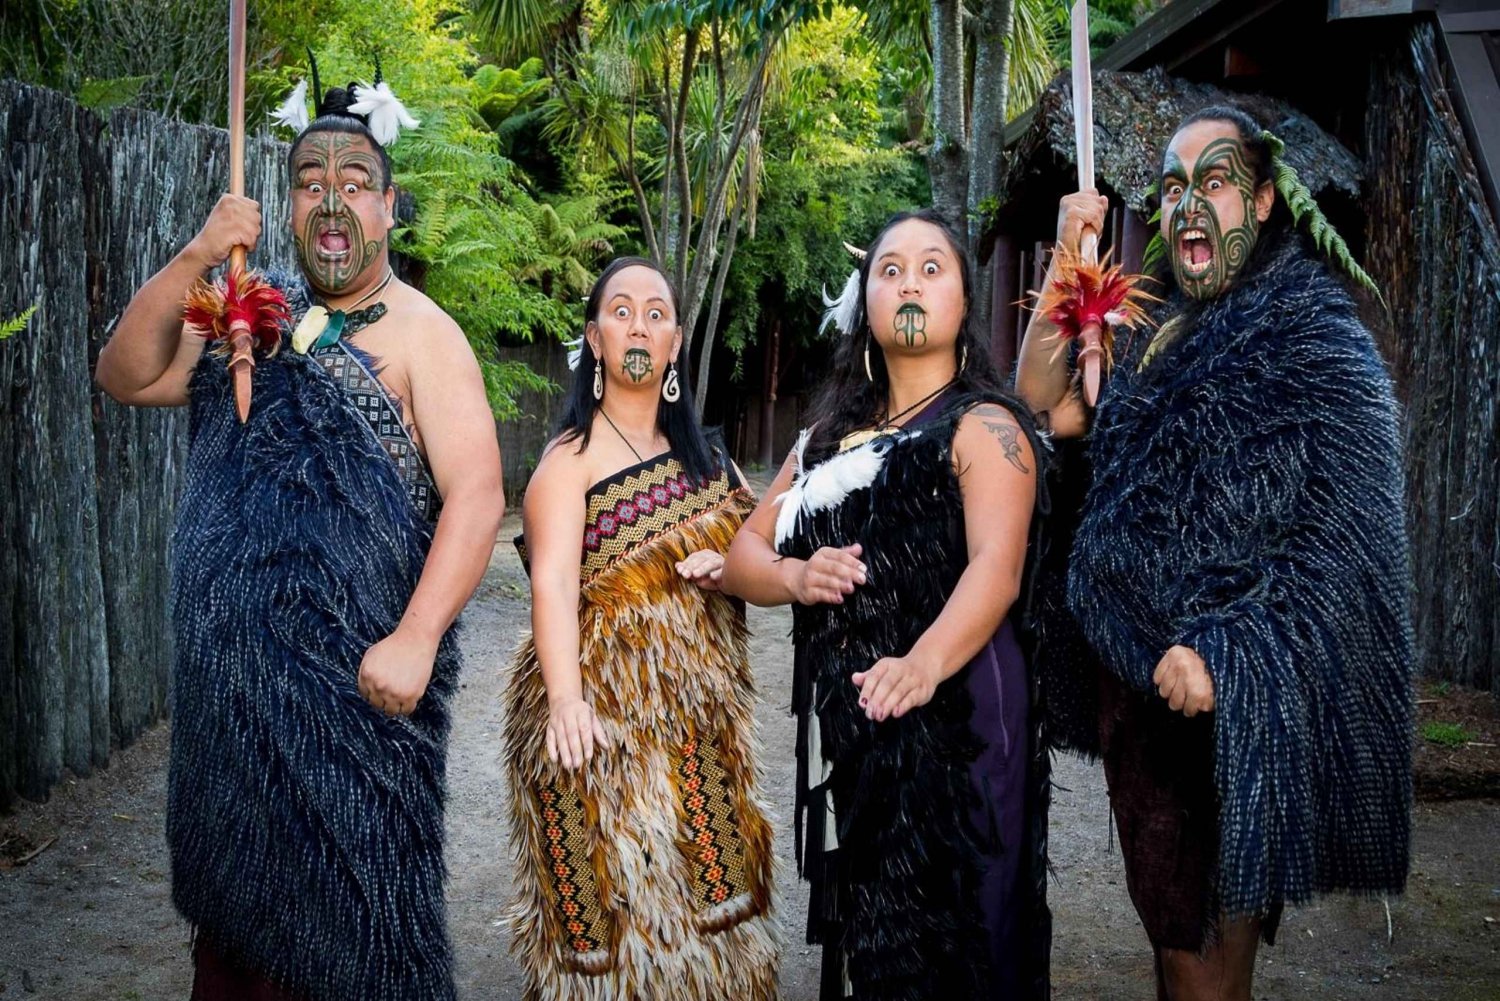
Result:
[
  {"x": 332, "y": 242},
  {"x": 1195, "y": 252}
]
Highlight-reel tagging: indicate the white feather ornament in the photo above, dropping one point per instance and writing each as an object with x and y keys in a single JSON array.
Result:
[
  {"x": 575, "y": 352},
  {"x": 830, "y": 482},
  {"x": 293, "y": 111},
  {"x": 384, "y": 112},
  {"x": 843, "y": 310}
]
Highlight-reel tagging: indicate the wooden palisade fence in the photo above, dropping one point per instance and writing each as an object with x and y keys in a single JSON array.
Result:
[{"x": 92, "y": 206}]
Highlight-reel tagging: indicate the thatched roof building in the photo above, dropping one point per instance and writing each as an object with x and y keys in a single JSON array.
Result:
[{"x": 1391, "y": 113}]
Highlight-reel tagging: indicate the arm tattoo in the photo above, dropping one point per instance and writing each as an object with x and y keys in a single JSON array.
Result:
[{"x": 999, "y": 422}]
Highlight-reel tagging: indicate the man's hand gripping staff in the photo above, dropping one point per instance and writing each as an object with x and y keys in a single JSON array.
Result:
[{"x": 242, "y": 311}]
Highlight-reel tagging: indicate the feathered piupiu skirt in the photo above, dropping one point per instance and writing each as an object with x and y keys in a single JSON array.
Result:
[{"x": 648, "y": 873}]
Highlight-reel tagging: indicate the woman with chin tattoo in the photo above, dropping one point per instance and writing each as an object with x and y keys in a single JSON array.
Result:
[
  {"x": 1240, "y": 567},
  {"x": 644, "y": 852},
  {"x": 898, "y": 530}
]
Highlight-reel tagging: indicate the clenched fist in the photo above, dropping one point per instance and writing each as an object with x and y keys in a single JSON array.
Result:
[
  {"x": 394, "y": 673},
  {"x": 234, "y": 222},
  {"x": 1077, "y": 212},
  {"x": 1183, "y": 680}
]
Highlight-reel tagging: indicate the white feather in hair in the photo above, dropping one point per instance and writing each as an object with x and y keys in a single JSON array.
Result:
[
  {"x": 293, "y": 111},
  {"x": 384, "y": 112},
  {"x": 843, "y": 310}
]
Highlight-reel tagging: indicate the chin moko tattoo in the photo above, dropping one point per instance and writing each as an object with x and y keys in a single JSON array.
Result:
[
  {"x": 637, "y": 365},
  {"x": 911, "y": 325}
]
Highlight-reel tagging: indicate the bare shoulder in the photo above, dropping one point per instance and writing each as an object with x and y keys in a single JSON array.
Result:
[
  {"x": 434, "y": 335},
  {"x": 563, "y": 465},
  {"x": 988, "y": 428}
]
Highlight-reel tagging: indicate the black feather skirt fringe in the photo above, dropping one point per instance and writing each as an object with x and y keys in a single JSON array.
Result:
[{"x": 892, "y": 834}]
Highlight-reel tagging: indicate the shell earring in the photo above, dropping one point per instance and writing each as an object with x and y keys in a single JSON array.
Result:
[
  {"x": 671, "y": 386},
  {"x": 598, "y": 380},
  {"x": 963, "y": 358},
  {"x": 868, "y": 374}
]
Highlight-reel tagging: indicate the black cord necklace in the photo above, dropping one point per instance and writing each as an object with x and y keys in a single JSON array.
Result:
[
  {"x": 889, "y": 426},
  {"x": 890, "y": 421},
  {"x": 626, "y": 440}
]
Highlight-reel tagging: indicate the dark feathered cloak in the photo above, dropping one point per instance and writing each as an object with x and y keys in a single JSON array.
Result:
[
  {"x": 886, "y": 836},
  {"x": 1247, "y": 503},
  {"x": 305, "y": 827}
]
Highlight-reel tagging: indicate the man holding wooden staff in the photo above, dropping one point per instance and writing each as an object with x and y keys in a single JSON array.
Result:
[{"x": 333, "y": 524}]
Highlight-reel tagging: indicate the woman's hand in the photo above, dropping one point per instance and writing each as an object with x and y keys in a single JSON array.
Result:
[
  {"x": 1183, "y": 680},
  {"x": 896, "y": 685},
  {"x": 1082, "y": 210},
  {"x": 828, "y": 576},
  {"x": 573, "y": 731},
  {"x": 704, "y": 568}
]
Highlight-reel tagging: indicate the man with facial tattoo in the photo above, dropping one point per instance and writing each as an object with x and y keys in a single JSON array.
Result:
[
  {"x": 323, "y": 551},
  {"x": 1240, "y": 569}
]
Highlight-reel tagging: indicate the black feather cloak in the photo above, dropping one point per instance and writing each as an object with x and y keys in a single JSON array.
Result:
[{"x": 1247, "y": 503}]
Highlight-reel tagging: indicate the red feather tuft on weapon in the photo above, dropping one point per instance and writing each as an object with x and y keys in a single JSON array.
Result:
[
  {"x": 1086, "y": 302},
  {"x": 238, "y": 315}
]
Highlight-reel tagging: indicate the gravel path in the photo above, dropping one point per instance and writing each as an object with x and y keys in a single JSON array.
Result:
[{"x": 89, "y": 918}]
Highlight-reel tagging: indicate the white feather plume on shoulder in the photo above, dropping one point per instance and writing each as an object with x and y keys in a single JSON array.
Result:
[
  {"x": 843, "y": 310},
  {"x": 831, "y": 482},
  {"x": 293, "y": 111},
  {"x": 383, "y": 110}
]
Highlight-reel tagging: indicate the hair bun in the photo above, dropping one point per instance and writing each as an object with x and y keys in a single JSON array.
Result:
[{"x": 337, "y": 101}]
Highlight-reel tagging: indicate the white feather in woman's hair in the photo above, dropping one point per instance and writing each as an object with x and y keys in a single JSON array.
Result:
[
  {"x": 575, "y": 353},
  {"x": 293, "y": 111},
  {"x": 842, "y": 311},
  {"x": 383, "y": 111}
]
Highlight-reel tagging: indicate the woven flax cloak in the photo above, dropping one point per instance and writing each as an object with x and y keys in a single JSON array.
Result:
[
  {"x": 305, "y": 826},
  {"x": 1247, "y": 503},
  {"x": 648, "y": 873}
]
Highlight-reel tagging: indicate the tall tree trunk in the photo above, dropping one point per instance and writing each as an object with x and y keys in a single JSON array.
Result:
[
  {"x": 711, "y": 329},
  {"x": 768, "y": 406},
  {"x": 987, "y": 121},
  {"x": 677, "y": 155},
  {"x": 948, "y": 159},
  {"x": 747, "y": 119}
]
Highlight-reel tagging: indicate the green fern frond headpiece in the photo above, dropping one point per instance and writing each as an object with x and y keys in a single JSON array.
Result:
[{"x": 1304, "y": 206}]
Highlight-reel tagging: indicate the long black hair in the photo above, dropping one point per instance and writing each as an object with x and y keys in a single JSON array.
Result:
[
  {"x": 850, "y": 400},
  {"x": 678, "y": 422},
  {"x": 1274, "y": 232}
]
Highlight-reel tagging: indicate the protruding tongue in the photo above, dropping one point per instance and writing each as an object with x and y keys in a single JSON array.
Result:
[{"x": 1200, "y": 251}]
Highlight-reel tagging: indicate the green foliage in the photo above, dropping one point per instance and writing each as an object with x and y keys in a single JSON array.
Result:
[
  {"x": 1156, "y": 247},
  {"x": 1450, "y": 735},
  {"x": 1109, "y": 21},
  {"x": 103, "y": 96},
  {"x": 505, "y": 97},
  {"x": 16, "y": 324},
  {"x": 493, "y": 253},
  {"x": 1305, "y": 211},
  {"x": 836, "y": 167}
]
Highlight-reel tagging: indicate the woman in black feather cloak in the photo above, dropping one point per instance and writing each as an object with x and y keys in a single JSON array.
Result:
[
  {"x": 898, "y": 530},
  {"x": 1240, "y": 568}
]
